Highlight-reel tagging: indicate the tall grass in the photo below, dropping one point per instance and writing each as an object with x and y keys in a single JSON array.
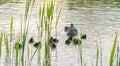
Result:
[
  {"x": 27, "y": 8},
  {"x": 6, "y": 45},
  {"x": 11, "y": 29},
  {"x": 17, "y": 53},
  {"x": 1, "y": 37},
  {"x": 80, "y": 49},
  {"x": 113, "y": 50},
  {"x": 58, "y": 12},
  {"x": 97, "y": 54}
]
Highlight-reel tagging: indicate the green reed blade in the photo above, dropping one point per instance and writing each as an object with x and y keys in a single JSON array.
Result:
[
  {"x": 21, "y": 29},
  {"x": 6, "y": 44},
  {"x": 1, "y": 44},
  {"x": 33, "y": 55},
  {"x": 17, "y": 55},
  {"x": 27, "y": 7},
  {"x": 58, "y": 16},
  {"x": 11, "y": 29},
  {"x": 97, "y": 54},
  {"x": 23, "y": 44},
  {"x": 50, "y": 10},
  {"x": 113, "y": 50},
  {"x": 80, "y": 49},
  {"x": 42, "y": 15}
]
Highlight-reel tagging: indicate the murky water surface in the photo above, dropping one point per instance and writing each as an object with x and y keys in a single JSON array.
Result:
[{"x": 98, "y": 21}]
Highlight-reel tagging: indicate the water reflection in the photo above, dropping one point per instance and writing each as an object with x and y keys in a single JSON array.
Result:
[
  {"x": 12, "y": 1},
  {"x": 74, "y": 4}
]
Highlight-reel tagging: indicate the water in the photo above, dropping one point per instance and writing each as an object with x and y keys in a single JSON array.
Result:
[{"x": 98, "y": 21}]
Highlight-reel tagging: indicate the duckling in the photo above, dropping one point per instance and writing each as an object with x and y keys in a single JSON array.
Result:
[
  {"x": 31, "y": 40},
  {"x": 53, "y": 46},
  {"x": 53, "y": 40},
  {"x": 76, "y": 41},
  {"x": 72, "y": 31},
  {"x": 18, "y": 45},
  {"x": 37, "y": 44},
  {"x": 67, "y": 42},
  {"x": 66, "y": 28},
  {"x": 84, "y": 36}
]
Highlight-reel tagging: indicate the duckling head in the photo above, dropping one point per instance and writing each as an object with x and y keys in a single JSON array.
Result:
[
  {"x": 66, "y": 28},
  {"x": 71, "y": 25},
  {"x": 31, "y": 40}
]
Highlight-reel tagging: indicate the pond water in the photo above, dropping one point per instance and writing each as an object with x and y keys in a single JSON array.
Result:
[{"x": 99, "y": 21}]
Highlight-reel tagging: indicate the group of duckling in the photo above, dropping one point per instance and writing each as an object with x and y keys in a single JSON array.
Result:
[
  {"x": 71, "y": 33},
  {"x": 53, "y": 42}
]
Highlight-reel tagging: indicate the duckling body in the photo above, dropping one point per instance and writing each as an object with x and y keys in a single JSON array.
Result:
[
  {"x": 71, "y": 31},
  {"x": 37, "y": 44},
  {"x": 31, "y": 40},
  {"x": 76, "y": 41},
  {"x": 53, "y": 42},
  {"x": 67, "y": 42},
  {"x": 84, "y": 36},
  {"x": 66, "y": 28},
  {"x": 53, "y": 46}
]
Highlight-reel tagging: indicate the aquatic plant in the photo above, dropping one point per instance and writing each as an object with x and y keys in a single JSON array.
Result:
[
  {"x": 113, "y": 50},
  {"x": 1, "y": 37}
]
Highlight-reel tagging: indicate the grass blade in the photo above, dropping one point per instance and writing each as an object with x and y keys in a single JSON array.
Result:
[
  {"x": 113, "y": 50},
  {"x": 97, "y": 54},
  {"x": 11, "y": 29},
  {"x": 1, "y": 44},
  {"x": 6, "y": 44}
]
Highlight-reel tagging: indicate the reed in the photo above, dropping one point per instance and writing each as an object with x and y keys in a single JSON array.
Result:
[
  {"x": 97, "y": 54},
  {"x": 80, "y": 49},
  {"x": 118, "y": 55},
  {"x": 27, "y": 9},
  {"x": 11, "y": 28},
  {"x": 113, "y": 50},
  {"x": 6, "y": 45},
  {"x": 1, "y": 37},
  {"x": 17, "y": 53}
]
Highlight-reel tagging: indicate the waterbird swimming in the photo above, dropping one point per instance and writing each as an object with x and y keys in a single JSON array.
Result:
[
  {"x": 31, "y": 40},
  {"x": 53, "y": 42},
  {"x": 71, "y": 31},
  {"x": 37, "y": 44},
  {"x": 84, "y": 36}
]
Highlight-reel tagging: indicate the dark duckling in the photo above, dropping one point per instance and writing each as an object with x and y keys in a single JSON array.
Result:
[
  {"x": 18, "y": 45},
  {"x": 76, "y": 41},
  {"x": 37, "y": 44},
  {"x": 66, "y": 28},
  {"x": 68, "y": 41},
  {"x": 53, "y": 46},
  {"x": 53, "y": 40},
  {"x": 31, "y": 40},
  {"x": 84, "y": 36},
  {"x": 72, "y": 31}
]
